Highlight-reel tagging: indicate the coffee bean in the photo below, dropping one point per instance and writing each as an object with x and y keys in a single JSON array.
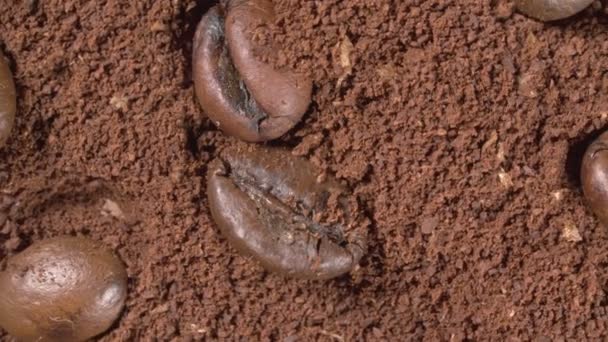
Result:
[
  {"x": 548, "y": 10},
  {"x": 245, "y": 97},
  {"x": 594, "y": 177},
  {"x": 8, "y": 101},
  {"x": 283, "y": 94},
  {"x": 273, "y": 206},
  {"x": 218, "y": 86},
  {"x": 61, "y": 289}
]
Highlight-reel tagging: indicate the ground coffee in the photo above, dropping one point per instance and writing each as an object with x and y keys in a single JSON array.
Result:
[{"x": 460, "y": 124}]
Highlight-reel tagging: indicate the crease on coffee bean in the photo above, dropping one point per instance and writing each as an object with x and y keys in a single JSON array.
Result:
[
  {"x": 217, "y": 28},
  {"x": 247, "y": 184},
  {"x": 316, "y": 229},
  {"x": 250, "y": 107}
]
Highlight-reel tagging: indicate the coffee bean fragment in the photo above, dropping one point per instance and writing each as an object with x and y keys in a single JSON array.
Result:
[
  {"x": 62, "y": 289},
  {"x": 245, "y": 97},
  {"x": 549, "y": 10},
  {"x": 594, "y": 177},
  {"x": 275, "y": 207},
  {"x": 8, "y": 101}
]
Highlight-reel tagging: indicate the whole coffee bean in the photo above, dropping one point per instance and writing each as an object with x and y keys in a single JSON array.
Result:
[
  {"x": 283, "y": 94},
  {"x": 62, "y": 289},
  {"x": 8, "y": 101},
  {"x": 276, "y": 208},
  {"x": 548, "y": 10},
  {"x": 594, "y": 177},
  {"x": 225, "y": 95}
]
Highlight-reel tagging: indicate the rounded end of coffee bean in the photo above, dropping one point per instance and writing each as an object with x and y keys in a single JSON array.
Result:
[
  {"x": 62, "y": 289},
  {"x": 550, "y": 10},
  {"x": 8, "y": 101},
  {"x": 594, "y": 177}
]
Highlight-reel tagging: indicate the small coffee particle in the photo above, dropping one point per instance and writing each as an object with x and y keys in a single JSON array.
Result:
[
  {"x": 269, "y": 204},
  {"x": 8, "y": 101},
  {"x": 429, "y": 224},
  {"x": 504, "y": 10},
  {"x": 62, "y": 289},
  {"x": 571, "y": 233},
  {"x": 594, "y": 177},
  {"x": 549, "y": 10}
]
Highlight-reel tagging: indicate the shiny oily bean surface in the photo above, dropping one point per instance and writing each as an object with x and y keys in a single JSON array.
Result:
[
  {"x": 225, "y": 95},
  {"x": 548, "y": 10},
  {"x": 278, "y": 209},
  {"x": 8, "y": 101},
  {"x": 594, "y": 177},
  {"x": 62, "y": 289}
]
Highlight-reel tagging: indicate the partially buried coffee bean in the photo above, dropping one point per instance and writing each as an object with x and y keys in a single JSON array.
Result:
[
  {"x": 548, "y": 10},
  {"x": 62, "y": 289},
  {"x": 279, "y": 209},
  {"x": 594, "y": 177},
  {"x": 245, "y": 96},
  {"x": 8, "y": 102}
]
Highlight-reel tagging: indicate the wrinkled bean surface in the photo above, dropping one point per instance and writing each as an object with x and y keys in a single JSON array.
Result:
[
  {"x": 276, "y": 208},
  {"x": 62, "y": 289},
  {"x": 548, "y": 10}
]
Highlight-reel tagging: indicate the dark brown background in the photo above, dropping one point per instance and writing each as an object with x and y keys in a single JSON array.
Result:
[{"x": 460, "y": 124}]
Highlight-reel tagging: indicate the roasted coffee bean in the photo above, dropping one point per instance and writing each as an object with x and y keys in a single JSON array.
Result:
[
  {"x": 8, "y": 101},
  {"x": 548, "y": 10},
  {"x": 283, "y": 94},
  {"x": 62, "y": 289},
  {"x": 277, "y": 208},
  {"x": 248, "y": 98},
  {"x": 594, "y": 177}
]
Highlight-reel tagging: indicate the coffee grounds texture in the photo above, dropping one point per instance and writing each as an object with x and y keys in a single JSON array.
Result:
[{"x": 459, "y": 124}]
